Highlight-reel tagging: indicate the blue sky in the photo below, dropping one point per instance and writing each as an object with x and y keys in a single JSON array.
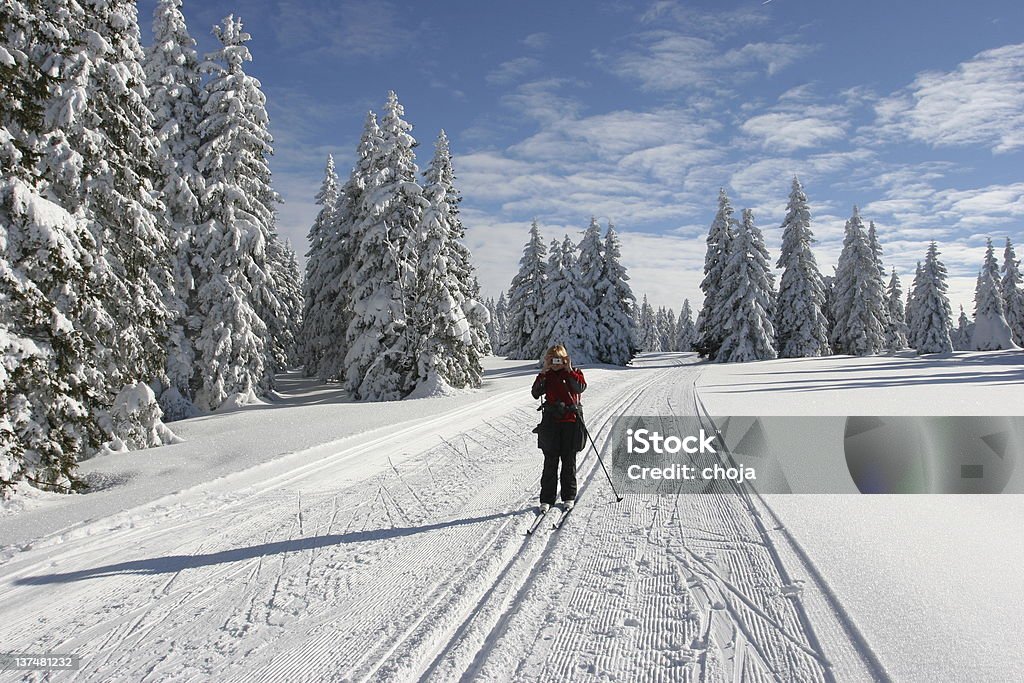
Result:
[{"x": 639, "y": 111}]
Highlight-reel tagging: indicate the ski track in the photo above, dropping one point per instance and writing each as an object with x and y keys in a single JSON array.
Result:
[{"x": 418, "y": 568}]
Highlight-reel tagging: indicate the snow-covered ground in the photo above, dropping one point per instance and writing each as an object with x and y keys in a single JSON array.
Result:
[
  {"x": 315, "y": 539},
  {"x": 933, "y": 581}
]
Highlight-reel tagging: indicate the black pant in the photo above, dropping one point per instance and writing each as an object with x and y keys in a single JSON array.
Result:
[{"x": 560, "y": 447}]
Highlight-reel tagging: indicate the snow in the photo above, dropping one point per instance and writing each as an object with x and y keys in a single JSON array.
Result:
[
  {"x": 932, "y": 581},
  {"x": 991, "y": 332},
  {"x": 240, "y": 399},
  {"x": 313, "y": 537}
]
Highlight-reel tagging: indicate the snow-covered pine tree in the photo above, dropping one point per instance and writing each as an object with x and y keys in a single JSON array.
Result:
[
  {"x": 525, "y": 301},
  {"x": 711, "y": 328},
  {"x": 339, "y": 269},
  {"x": 567, "y": 315},
  {"x": 551, "y": 293},
  {"x": 1013, "y": 293},
  {"x": 991, "y": 333},
  {"x": 828, "y": 283},
  {"x": 963, "y": 335},
  {"x": 876, "y": 252},
  {"x": 800, "y": 321},
  {"x": 232, "y": 341},
  {"x": 288, "y": 287},
  {"x": 447, "y": 353},
  {"x": 231, "y": 87},
  {"x": 931, "y": 312},
  {"x": 635, "y": 333},
  {"x": 858, "y": 303},
  {"x": 616, "y": 304},
  {"x": 500, "y": 322},
  {"x": 281, "y": 302},
  {"x": 492, "y": 323},
  {"x": 747, "y": 285},
  {"x": 173, "y": 80},
  {"x": 647, "y": 328},
  {"x": 895, "y": 324},
  {"x": 686, "y": 332},
  {"x": 593, "y": 284},
  {"x": 99, "y": 109},
  {"x": 316, "y": 334},
  {"x": 911, "y": 306},
  {"x": 671, "y": 331},
  {"x": 47, "y": 258},
  {"x": 382, "y": 346},
  {"x": 459, "y": 263},
  {"x": 659, "y": 329}
]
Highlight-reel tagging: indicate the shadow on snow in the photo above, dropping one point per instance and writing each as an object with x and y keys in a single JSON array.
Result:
[{"x": 175, "y": 563}]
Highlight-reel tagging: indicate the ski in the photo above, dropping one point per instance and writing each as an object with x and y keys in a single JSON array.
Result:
[
  {"x": 536, "y": 522},
  {"x": 557, "y": 523}
]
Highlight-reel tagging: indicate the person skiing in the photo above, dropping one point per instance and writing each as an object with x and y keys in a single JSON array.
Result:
[{"x": 558, "y": 433}]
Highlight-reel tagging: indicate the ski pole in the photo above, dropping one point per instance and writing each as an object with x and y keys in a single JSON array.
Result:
[{"x": 618, "y": 498}]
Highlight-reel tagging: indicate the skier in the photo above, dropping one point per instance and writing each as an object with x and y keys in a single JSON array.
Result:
[{"x": 559, "y": 434}]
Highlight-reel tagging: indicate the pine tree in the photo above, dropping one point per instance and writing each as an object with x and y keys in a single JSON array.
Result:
[
  {"x": 876, "y": 252},
  {"x": 828, "y": 283},
  {"x": 287, "y": 278},
  {"x": 635, "y": 333},
  {"x": 500, "y": 322},
  {"x": 492, "y": 323},
  {"x": 747, "y": 286},
  {"x": 1013, "y": 293},
  {"x": 593, "y": 268},
  {"x": 459, "y": 261},
  {"x": 858, "y": 304},
  {"x": 711, "y": 321},
  {"x": 316, "y": 334},
  {"x": 446, "y": 351},
  {"x": 932, "y": 314},
  {"x": 47, "y": 257},
  {"x": 382, "y": 346},
  {"x": 911, "y": 307},
  {"x": 660, "y": 323},
  {"x": 567, "y": 317},
  {"x": 339, "y": 268},
  {"x": 647, "y": 330},
  {"x": 671, "y": 332},
  {"x": 964, "y": 333},
  {"x": 800, "y": 321},
  {"x": 991, "y": 332},
  {"x": 686, "y": 332},
  {"x": 105, "y": 177},
  {"x": 173, "y": 80},
  {"x": 895, "y": 326},
  {"x": 525, "y": 301},
  {"x": 232, "y": 342},
  {"x": 616, "y": 305}
]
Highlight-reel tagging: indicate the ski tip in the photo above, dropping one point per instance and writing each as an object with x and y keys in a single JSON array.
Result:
[{"x": 619, "y": 500}]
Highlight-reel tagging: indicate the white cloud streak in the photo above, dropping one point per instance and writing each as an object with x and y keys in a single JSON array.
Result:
[{"x": 981, "y": 102}]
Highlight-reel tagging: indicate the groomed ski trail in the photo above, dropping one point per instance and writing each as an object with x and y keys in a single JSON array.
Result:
[{"x": 400, "y": 555}]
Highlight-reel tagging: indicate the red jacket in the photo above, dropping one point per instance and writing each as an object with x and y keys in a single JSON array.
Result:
[{"x": 560, "y": 385}]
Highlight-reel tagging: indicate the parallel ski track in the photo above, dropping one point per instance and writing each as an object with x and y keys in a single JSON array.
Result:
[
  {"x": 847, "y": 651},
  {"x": 248, "y": 512},
  {"x": 460, "y": 654}
]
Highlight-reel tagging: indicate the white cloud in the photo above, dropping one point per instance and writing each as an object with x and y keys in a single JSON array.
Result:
[
  {"x": 981, "y": 102},
  {"x": 537, "y": 41},
  {"x": 542, "y": 101},
  {"x": 798, "y": 128},
  {"x": 513, "y": 70},
  {"x": 669, "y": 60}
]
